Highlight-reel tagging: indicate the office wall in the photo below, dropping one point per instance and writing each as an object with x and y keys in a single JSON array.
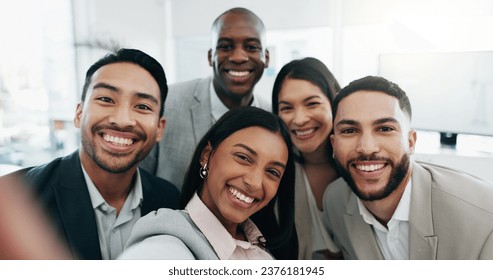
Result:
[{"x": 348, "y": 35}]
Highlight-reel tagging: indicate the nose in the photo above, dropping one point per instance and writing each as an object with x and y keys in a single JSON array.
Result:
[
  {"x": 300, "y": 117},
  {"x": 367, "y": 144},
  {"x": 238, "y": 55},
  {"x": 122, "y": 116},
  {"x": 253, "y": 179}
]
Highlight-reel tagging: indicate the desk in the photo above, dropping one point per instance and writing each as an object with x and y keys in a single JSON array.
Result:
[{"x": 473, "y": 154}]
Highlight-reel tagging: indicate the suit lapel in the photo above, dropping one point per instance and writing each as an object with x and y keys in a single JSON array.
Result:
[
  {"x": 422, "y": 239},
  {"x": 149, "y": 201},
  {"x": 360, "y": 233},
  {"x": 76, "y": 211},
  {"x": 201, "y": 110}
]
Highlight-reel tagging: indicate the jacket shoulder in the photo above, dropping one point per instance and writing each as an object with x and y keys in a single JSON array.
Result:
[
  {"x": 185, "y": 90},
  {"x": 458, "y": 185},
  {"x": 175, "y": 223},
  {"x": 161, "y": 191},
  {"x": 38, "y": 177}
]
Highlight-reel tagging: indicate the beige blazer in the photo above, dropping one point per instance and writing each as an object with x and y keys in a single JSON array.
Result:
[{"x": 451, "y": 217}]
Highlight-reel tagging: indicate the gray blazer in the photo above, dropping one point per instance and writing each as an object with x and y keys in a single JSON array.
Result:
[
  {"x": 451, "y": 217},
  {"x": 188, "y": 117},
  {"x": 167, "y": 234}
]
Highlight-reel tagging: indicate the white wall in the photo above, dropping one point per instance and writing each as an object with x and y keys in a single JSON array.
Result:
[
  {"x": 347, "y": 35},
  {"x": 128, "y": 23}
]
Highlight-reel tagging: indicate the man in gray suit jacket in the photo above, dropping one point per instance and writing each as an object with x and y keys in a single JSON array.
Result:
[
  {"x": 238, "y": 58},
  {"x": 395, "y": 208}
]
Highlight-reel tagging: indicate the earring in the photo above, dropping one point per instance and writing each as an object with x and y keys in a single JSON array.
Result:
[{"x": 203, "y": 171}]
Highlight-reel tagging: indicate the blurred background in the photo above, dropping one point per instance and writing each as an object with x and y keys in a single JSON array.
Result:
[{"x": 439, "y": 51}]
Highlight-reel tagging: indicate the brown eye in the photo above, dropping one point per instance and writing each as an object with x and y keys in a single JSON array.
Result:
[
  {"x": 385, "y": 129},
  {"x": 143, "y": 107},
  {"x": 243, "y": 157},
  {"x": 284, "y": 109},
  {"x": 274, "y": 172},
  {"x": 105, "y": 99}
]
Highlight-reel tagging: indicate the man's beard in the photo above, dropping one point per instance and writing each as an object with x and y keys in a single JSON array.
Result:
[
  {"x": 398, "y": 174},
  {"x": 111, "y": 165}
]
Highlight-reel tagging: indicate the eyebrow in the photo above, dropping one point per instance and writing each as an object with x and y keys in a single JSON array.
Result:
[
  {"x": 229, "y": 40},
  {"x": 280, "y": 164},
  {"x": 376, "y": 122},
  {"x": 304, "y": 100},
  {"x": 148, "y": 97},
  {"x": 106, "y": 86},
  {"x": 118, "y": 90},
  {"x": 385, "y": 120}
]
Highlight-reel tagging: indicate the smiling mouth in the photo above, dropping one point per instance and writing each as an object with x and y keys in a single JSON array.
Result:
[
  {"x": 118, "y": 141},
  {"x": 369, "y": 167},
  {"x": 238, "y": 73},
  {"x": 304, "y": 132},
  {"x": 241, "y": 196}
]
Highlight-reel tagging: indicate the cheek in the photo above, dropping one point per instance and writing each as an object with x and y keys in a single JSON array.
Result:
[
  {"x": 218, "y": 58},
  {"x": 326, "y": 116},
  {"x": 271, "y": 191},
  {"x": 285, "y": 118},
  {"x": 340, "y": 148},
  {"x": 403, "y": 149}
]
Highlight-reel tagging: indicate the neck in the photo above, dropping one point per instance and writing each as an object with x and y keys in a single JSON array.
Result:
[
  {"x": 384, "y": 209},
  {"x": 240, "y": 235},
  {"x": 234, "y": 230},
  {"x": 114, "y": 188},
  {"x": 317, "y": 157},
  {"x": 233, "y": 101}
]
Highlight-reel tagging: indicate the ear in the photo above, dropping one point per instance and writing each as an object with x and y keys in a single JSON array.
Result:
[
  {"x": 267, "y": 58},
  {"x": 209, "y": 57},
  {"x": 331, "y": 137},
  {"x": 412, "y": 137},
  {"x": 206, "y": 152},
  {"x": 78, "y": 114},
  {"x": 160, "y": 129}
]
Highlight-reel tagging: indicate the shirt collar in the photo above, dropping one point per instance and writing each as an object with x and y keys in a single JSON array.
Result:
[
  {"x": 220, "y": 239},
  {"x": 97, "y": 199},
  {"x": 401, "y": 213}
]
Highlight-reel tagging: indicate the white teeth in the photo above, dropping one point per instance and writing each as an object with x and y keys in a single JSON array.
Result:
[
  {"x": 241, "y": 196},
  {"x": 371, "y": 167},
  {"x": 304, "y": 132},
  {"x": 238, "y": 73},
  {"x": 117, "y": 140}
]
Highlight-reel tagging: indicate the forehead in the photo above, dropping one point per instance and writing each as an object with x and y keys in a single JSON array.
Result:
[
  {"x": 261, "y": 140},
  {"x": 120, "y": 69},
  {"x": 299, "y": 89},
  {"x": 366, "y": 105},
  {"x": 126, "y": 75},
  {"x": 238, "y": 24}
]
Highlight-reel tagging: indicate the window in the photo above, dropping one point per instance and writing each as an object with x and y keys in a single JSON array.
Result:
[{"x": 37, "y": 81}]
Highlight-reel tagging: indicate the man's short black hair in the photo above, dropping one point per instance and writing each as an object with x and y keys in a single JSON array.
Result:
[{"x": 133, "y": 56}]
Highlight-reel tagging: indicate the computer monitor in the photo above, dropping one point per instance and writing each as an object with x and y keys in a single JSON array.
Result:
[{"x": 450, "y": 92}]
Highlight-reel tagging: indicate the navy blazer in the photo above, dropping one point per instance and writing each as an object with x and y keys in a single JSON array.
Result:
[{"x": 62, "y": 191}]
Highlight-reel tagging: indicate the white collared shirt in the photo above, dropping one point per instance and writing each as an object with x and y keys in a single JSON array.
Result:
[
  {"x": 113, "y": 230},
  {"x": 225, "y": 246},
  {"x": 217, "y": 106},
  {"x": 394, "y": 241}
]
